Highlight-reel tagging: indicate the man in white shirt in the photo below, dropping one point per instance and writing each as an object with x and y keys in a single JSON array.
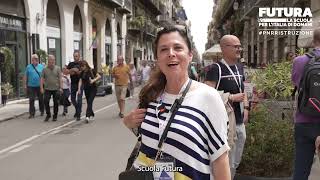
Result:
[{"x": 145, "y": 72}]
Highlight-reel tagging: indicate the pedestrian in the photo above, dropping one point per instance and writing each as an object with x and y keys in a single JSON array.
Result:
[
  {"x": 132, "y": 84},
  {"x": 290, "y": 56},
  {"x": 306, "y": 127},
  {"x": 88, "y": 79},
  {"x": 74, "y": 71},
  {"x": 193, "y": 74},
  {"x": 226, "y": 75},
  {"x": 145, "y": 72},
  {"x": 197, "y": 137},
  {"x": 51, "y": 85},
  {"x": 31, "y": 79},
  {"x": 66, "y": 85},
  {"x": 121, "y": 74}
]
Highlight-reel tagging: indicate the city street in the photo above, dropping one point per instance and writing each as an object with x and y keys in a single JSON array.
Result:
[
  {"x": 31, "y": 149},
  {"x": 79, "y": 151}
]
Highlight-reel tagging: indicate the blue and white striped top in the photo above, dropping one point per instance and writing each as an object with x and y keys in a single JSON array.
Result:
[{"x": 196, "y": 137}]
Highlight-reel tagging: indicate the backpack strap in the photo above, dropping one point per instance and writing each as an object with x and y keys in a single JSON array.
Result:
[{"x": 219, "y": 68}]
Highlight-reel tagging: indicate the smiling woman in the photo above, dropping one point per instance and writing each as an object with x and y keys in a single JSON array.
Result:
[{"x": 176, "y": 125}]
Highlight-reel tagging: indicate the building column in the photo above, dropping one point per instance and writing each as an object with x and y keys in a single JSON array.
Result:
[
  {"x": 265, "y": 48},
  {"x": 275, "y": 49},
  {"x": 67, "y": 33},
  {"x": 245, "y": 41},
  {"x": 114, "y": 38},
  {"x": 86, "y": 34},
  {"x": 101, "y": 43},
  {"x": 123, "y": 35},
  {"x": 252, "y": 39}
]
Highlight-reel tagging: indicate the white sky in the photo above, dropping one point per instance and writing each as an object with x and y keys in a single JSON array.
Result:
[{"x": 199, "y": 13}]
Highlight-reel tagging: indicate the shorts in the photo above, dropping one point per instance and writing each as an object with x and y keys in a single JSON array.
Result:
[{"x": 121, "y": 92}]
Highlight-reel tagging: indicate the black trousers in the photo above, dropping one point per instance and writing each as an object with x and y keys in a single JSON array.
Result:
[
  {"x": 90, "y": 94},
  {"x": 34, "y": 92},
  {"x": 47, "y": 96}
]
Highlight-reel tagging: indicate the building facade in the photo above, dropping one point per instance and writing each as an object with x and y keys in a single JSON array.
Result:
[
  {"x": 239, "y": 17},
  {"x": 96, "y": 28}
]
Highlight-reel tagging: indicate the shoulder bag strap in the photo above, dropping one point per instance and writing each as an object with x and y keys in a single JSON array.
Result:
[
  {"x": 36, "y": 70},
  {"x": 176, "y": 105}
]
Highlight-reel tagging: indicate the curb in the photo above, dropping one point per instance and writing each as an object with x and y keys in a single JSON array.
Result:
[{"x": 12, "y": 117}]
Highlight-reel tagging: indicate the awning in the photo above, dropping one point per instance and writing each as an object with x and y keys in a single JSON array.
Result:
[
  {"x": 215, "y": 50},
  {"x": 305, "y": 40}
]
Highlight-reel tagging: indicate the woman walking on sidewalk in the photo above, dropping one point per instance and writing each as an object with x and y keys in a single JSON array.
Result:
[{"x": 88, "y": 78}]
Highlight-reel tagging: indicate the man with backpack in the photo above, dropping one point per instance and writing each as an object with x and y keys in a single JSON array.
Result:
[
  {"x": 31, "y": 81},
  {"x": 306, "y": 77}
]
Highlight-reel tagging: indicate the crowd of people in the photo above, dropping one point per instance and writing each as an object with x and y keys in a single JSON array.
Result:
[{"x": 179, "y": 120}]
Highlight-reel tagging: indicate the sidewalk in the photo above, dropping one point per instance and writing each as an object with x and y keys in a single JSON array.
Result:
[{"x": 14, "y": 109}]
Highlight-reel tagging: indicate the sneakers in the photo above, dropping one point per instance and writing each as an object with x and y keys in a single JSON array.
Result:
[
  {"x": 121, "y": 115},
  {"x": 78, "y": 118},
  {"x": 42, "y": 113},
  {"x": 31, "y": 116},
  {"x": 87, "y": 119},
  {"x": 54, "y": 118},
  {"x": 47, "y": 118},
  {"x": 91, "y": 118}
]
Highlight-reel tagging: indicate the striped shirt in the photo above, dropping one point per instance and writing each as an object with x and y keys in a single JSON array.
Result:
[{"x": 196, "y": 137}]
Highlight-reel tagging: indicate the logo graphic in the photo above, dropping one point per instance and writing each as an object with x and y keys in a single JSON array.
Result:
[
  {"x": 285, "y": 21},
  {"x": 164, "y": 176}
]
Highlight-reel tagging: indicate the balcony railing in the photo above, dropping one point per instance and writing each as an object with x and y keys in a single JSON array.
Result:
[
  {"x": 113, "y": 3},
  {"x": 153, "y": 5},
  {"x": 126, "y": 6},
  {"x": 151, "y": 29},
  {"x": 248, "y": 8}
]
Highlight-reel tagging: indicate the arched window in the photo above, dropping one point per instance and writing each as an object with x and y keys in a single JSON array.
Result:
[
  {"x": 53, "y": 31},
  {"x": 77, "y": 31}
]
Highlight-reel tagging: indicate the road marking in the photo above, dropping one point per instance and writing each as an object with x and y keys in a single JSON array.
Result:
[
  {"x": 21, "y": 143},
  {"x": 20, "y": 148}
]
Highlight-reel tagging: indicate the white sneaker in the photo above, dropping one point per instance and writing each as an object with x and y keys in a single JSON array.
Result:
[
  {"x": 92, "y": 118},
  {"x": 87, "y": 119}
]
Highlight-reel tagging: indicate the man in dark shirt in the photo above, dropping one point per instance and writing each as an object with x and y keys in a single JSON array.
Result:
[
  {"x": 74, "y": 71},
  {"x": 227, "y": 76}
]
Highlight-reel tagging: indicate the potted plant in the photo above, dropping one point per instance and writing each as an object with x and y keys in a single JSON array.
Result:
[
  {"x": 6, "y": 90},
  {"x": 6, "y": 67},
  {"x": 43, "y": 56},
  {"x": 269, "y": 149}
]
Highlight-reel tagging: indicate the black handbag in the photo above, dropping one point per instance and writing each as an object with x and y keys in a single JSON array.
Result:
[{"x": 133, "y": 174}]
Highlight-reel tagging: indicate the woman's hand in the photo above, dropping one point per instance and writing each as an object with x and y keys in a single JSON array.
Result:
[{"x": 134, "y": 118}]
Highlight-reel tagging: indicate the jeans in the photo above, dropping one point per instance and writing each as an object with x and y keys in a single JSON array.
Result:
[
  {"x": 34, "y": 92},
  {"x": 66, "y": 94},
  {"x": 76, "y": 99},
  {"x": 47, "y": 96},
  {"x": 305, "y": 135},
  {"x": 90, "y": 94},
  {"x": 237, "y": 150}
]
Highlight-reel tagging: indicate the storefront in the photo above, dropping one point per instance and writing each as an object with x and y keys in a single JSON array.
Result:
[{"x": 13, "y": 35}]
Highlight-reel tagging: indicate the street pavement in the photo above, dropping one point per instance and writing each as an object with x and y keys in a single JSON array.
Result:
[{"x": 31, "y": 149}]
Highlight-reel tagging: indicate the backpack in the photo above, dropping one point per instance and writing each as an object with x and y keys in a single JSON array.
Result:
[{"x": 309, "y": 87}]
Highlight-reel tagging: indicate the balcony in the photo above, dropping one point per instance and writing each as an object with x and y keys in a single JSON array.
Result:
[
  {"x": 152, "y": 5},
  {"x": 112, "y": 3},
  {"x": 250, "y": 8},
  {"x": 151, "y": 30},
  {"x": 126, "y": 7},
  {"x": 165, "y": 20}
]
